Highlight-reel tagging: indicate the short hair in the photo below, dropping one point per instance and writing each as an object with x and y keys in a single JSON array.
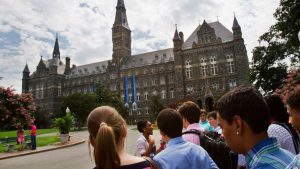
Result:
[
  {"x": 293, "y": 99},
  {"x": 190, "y": 111},
  {"x": 247, "y": 103},
  {"x": 212, "y": 114},
  {"x": 141, "y": 124},
  {"x": 170, "y": 122},
  {"x": 277, "y": 109}
]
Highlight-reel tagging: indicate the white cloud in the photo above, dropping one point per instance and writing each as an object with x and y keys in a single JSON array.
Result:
[{"x": 85, "y": 32}]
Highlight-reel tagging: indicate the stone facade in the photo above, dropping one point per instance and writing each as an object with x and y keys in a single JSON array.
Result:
[{"x": 211, "y": 60}]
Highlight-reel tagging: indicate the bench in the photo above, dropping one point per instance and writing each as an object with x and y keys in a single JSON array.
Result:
[{"x": 9, "y": 144}]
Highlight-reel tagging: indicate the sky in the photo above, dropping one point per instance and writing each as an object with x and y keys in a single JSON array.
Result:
[{"x": 28, "y": 28}]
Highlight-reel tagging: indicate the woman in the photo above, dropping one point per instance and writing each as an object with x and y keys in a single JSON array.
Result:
[
  {"x": 21, "y": 138},
  {"x": 108, "y": 130},
  {"x": 280, "y": 128}
]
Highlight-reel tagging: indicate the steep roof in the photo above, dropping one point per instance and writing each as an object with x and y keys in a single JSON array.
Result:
[
  {"x": 220, "y": 30},
  {"x": 149, "y": 58},
  {"x": 88, "y": 69}
]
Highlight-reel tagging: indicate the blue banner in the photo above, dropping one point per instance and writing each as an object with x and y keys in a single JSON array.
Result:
[
  {"x": 125, "y": 90},
  {"x": 133, "y": 89}
]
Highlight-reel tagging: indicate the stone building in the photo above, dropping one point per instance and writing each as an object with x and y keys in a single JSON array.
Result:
[{"x": 211, "y": 59}]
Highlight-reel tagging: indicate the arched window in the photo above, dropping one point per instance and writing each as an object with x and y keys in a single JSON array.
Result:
[{"x": 188, "y": 69}]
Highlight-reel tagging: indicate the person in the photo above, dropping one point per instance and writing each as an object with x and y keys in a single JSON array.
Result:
[
  {"x": 212, "y": 119},
  {"x": 280, "y": 128},
  {"x": 146, "y": 143},
  {"x": 21, "y": 137},
  {"x": 243, "y": 115},
  {"x": 293, "y": 108},
  {"x": 190, "y": 114},
  {"x": 203, "y": 121},
  {"x": 107, "y": 134},
  {"x": 179, "y": 154},
  {"x": 33, "y": 136}
]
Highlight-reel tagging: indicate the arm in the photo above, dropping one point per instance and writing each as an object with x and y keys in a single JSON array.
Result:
[{"x": 148, "y": 150}]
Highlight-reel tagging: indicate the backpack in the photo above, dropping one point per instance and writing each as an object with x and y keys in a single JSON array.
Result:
[{"x": 217, "y": 149}]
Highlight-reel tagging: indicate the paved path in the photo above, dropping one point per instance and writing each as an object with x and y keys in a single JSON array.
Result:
[{"x": 75, "y": 157}]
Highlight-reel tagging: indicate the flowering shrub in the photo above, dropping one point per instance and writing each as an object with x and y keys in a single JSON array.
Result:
[
  {"x": 15, "y": 109},
  {"x": 292, "y": 81}
]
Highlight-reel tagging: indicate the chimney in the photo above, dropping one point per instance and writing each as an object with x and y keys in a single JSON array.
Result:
[{"x": 67, "y": 68}]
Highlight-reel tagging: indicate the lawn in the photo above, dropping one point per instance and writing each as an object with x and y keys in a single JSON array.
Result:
[
  {"x": 41, "y": 141},
  {"x": 13, "y": 133}
]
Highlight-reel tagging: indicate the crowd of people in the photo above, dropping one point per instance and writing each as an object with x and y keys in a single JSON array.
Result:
[{"x": 262, "y": 132}]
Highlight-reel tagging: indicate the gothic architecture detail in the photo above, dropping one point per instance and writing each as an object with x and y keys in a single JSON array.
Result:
[{"x": 211, "y": 61}]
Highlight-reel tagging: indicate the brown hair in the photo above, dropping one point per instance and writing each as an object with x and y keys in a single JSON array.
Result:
[
  {"x": 170, "y": 122},
  {"x": 105, "y": 126},
  {"x": 190, "y": 111},
  {"x": 293, "y": 99}
]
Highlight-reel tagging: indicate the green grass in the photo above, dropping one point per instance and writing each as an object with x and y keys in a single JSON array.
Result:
[
  {"x": 13, "y": 133},
  {"x": 41, "y": 141}
]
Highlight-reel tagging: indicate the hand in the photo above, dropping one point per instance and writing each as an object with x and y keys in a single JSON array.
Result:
[{"x": 151, "y": 141}]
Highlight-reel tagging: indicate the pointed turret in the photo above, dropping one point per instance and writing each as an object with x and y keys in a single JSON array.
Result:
[
  {"x": 177, "y": 40},
  {"x": 25, "y": 80},
  {"x": 41, "y": 65},
  {"x": 237, "y": 33},
  {"x": 56, "y": 53}
]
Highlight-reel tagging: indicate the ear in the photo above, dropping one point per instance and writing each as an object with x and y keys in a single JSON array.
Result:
[
  {"x": 92, "y": 141},
  {"x": 238, "y": 124}
]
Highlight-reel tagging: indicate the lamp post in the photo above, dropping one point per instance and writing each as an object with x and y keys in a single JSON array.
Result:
[{"x": 68, "y": 110}]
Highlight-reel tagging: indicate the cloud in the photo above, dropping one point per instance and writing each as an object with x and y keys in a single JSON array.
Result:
[{"x": 28, "y": 28}]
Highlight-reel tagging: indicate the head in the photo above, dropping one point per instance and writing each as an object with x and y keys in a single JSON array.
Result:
[
  {"x": 293, "y": 108},
  {"x": 203, "y": 115},
  {"x": 240, "y": 113},
  {"x": 145, "y": 127},
  {"x": 212, "y": 119},
  {"x": 277, "y": 109},
  {"x": 107, "y": 130},
  {"x": 169, "y": 123},
  {"x": 189, "y": 112}
]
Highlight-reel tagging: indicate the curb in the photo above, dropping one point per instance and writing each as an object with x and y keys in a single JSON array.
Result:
[{"x": 50, "y": 148}]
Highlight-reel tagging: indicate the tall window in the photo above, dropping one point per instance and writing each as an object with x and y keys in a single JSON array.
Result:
[
  {"x": 190, "y": 89},
  {"x": 230, "y": 63},
  {"x": 215, "y": 85},
  {"x": 213, "y": 67},
  {"x": 188, "y": 69},
  {"x": 163, "y": 94},
  {"x": 146, "y": 110},
  {"x": 162, "y": 80},
  {"x": 232, "y": 83},
  {"x": 204, "y": 70},
  {"x": 138, "y": 96},
  {"x": 171, "y": 93},
  {"x": 146, "y": 95}
]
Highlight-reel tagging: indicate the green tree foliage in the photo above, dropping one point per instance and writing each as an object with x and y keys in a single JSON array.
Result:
[
  {"x": 155, "y": 106},
  {"x": 15, "y": 109},
  {"x": 64, "y": 123},
  {"x": 81, "y": 105},
  {"x": 278, "y": 45},
  {"x": 108, "y": 98}
]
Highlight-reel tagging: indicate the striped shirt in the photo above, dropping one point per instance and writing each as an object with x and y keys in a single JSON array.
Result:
[{"x": 268, "y": 155}]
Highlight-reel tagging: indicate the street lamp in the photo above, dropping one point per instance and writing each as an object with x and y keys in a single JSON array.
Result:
[{"x": 68, "y": 110}]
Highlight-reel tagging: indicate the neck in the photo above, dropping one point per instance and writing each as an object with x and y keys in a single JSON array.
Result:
[
  {"x": 121, "y": 146},
  {"x": 254, "y": 139},
  {"x": 146, "y": 135}
]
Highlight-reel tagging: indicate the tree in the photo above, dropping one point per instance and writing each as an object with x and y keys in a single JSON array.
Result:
[
  {"x": 291, "y": 82},
  {"x": 81, "y": 105},
  {"x": 155, "y": 106},
  {"x": 15, "y": 109},
  {"x": 278, "y": 45},
  {"x": 106, "y": 97}
]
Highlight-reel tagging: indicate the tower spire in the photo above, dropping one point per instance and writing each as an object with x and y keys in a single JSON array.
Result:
[
  {"x": 121, "y": 18},
  {"x": 56, "y": 53},
  {"x": 236, "y": 29},
  {"x": 176, "y": 35},
  {"x": 235, "y": 23}
]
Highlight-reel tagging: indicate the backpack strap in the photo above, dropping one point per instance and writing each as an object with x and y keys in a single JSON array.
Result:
[{"x": 152, "y": 162}]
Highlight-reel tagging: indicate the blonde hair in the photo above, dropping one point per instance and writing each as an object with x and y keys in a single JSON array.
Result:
[{"x": 105, "y": 126}]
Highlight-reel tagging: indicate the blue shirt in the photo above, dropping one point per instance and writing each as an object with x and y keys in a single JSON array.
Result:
[
  {"x": 180, "y": 154},
  {"x": 268, "y": 155},
  {"x": 206, "y": 126}
]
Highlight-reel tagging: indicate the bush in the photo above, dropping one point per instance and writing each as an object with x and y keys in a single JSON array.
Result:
[{"x": 64, "y": 123}]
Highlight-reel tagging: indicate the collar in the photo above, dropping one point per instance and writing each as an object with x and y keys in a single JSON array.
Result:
[
  {"x": 175, "y": 140},
  {"x": 264, "y": 146}
]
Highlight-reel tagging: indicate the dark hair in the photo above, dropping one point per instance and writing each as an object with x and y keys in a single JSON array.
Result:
[
  {"x": 209, "y": 103},
  {"x": 190, "y": 111},
  {"x": 247, "y": 103},
  {"x": 170, "y": 122},
  {"x": 141, "y": 124},
  {"x": 293, "y": 99},
  {"x": 212, "y": 114},
  {"x": 277, "y": 109}
]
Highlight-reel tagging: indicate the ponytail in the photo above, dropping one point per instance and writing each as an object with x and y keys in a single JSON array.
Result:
[{"x": 105, "y": 150}]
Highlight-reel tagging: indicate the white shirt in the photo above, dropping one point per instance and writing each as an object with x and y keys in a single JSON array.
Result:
[
  {"x": 142, "y": 145},
  {"x": 283, "y": 137}
]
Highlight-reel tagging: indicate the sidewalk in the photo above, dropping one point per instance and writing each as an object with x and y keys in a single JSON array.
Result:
[{"x": 73, "y": 141}]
